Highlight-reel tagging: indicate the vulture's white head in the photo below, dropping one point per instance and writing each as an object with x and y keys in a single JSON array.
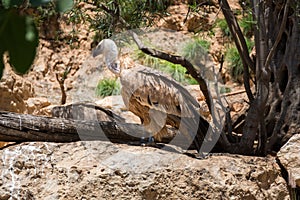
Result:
[{"x": 109, "y": 50}]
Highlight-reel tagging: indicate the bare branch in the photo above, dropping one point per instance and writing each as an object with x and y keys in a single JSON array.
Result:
[
  {"x": 240, "y": 44},
  {"x": 278, "y": 38},
  {"x": 236, "y": 33},
  {"x": 176, "y": 60},
  {"x": 61, "y": 82}
]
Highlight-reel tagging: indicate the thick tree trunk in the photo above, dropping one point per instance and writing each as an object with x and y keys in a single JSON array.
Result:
[
  {"x": 285, "y": 102},
  {"x": 274, "y": 113}
]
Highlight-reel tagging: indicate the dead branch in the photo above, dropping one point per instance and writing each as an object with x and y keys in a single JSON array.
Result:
[
  {"x": 241, "y": 45},
  {"x": 176, "y": 60},
  {"x": 233, "y": 93},
  {"x": 278, "y": 38},
  {"x": 61, "y": 81}
]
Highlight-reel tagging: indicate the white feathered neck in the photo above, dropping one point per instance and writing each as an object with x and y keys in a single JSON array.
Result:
[{"x": 109, "y": 50}]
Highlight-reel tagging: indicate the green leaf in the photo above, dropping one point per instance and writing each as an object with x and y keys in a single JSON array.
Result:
[
  {"x": 20, "y": 39},
  {"x": 11, "y": 3},
  {"x": 63, "y": 5},
  {"x": 36, "y": 3}
]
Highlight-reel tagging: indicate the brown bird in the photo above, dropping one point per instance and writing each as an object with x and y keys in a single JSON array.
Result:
[{"x": 156, "y": 99}]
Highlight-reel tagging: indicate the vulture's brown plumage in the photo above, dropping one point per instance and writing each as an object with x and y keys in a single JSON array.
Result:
[{"x": 155, "y": 98}]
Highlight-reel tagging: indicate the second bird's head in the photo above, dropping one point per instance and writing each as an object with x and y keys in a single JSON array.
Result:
[{"x": 109, "y": 50}]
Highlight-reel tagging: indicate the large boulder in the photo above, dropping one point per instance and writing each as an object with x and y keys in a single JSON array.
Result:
[
  {"x": 103, "y": 170},
  {"x": 289, "y": 157}
]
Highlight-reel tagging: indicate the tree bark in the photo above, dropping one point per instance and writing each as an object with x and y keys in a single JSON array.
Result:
[
  {"x": 274, "y": 113},
  {"x": 23, "y": 127},
  {"x": 287, "y": 83},
  {"x": 16, "y": 127}
]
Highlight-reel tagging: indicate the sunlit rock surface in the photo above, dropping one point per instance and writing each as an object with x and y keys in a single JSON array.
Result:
[
  {"x": 14, "y": 91},
  {"x": 102, "y": 170},
  {"x": 289, "y": 157}
]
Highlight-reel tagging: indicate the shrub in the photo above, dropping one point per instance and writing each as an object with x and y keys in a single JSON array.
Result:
[
  {"x": 222, "y": 24},
  {"x": 177, "y": 72},
  {"x": 247, "y": 25},
  {"x": 235, "y": 62},
  {"x": 195, "y": 47},
  {"x": 107, "y": 87},
  {"x": 135, "y": 13},
  {"x": 224, "y": 90}
]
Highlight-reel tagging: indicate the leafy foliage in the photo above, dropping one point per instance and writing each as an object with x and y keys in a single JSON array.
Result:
[
  {"x": 60, "y": 6},
  {"x": 198, "y": 46},
  {"x": 114, "y": 16},
  {"x": 247, "y": 25},
  {"x": 11, "y": 3},
  {"x": 191, "y": 51},
  {"x": 222, "y": 24},
  {"x": 196, "y": 52},
  {"x": 224, "y": 90},
  {"x": 18, "y": 32},
  {"x": 235, "y": 62},
  {"x": 107, "y": 87},
  {"x": 18, "y": 37},
  {"x": 44, "y": 13},
  {"x": 232, "y": 56},
  {"x": 177, "y": 72},
  {"x": 63, "y": 6}
]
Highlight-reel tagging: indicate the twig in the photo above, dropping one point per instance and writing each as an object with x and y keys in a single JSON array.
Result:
[
  {"x": 221, "y": 63},
  {"x": 61, "y": 82},
  {"x": 233, "y": 93}
]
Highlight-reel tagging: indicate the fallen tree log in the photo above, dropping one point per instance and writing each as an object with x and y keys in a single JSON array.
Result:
[{"x": 16, "y": 127}]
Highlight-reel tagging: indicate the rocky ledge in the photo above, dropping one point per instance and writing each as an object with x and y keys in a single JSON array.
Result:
[{"x": 103, "y": 170}]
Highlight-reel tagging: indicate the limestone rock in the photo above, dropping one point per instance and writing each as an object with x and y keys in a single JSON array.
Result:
[
  {"x": 196, "y": 22},
  {"x": 14, "y": 91},
  {"x": 117, "y": 105},
  {"x": 102, "y": 170},
  {"x": 110, "y": 102},
  {"x": 17, "y": 95},
  {"x": 289, "y": 157},
  {"x": 35, "y": 105}
]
